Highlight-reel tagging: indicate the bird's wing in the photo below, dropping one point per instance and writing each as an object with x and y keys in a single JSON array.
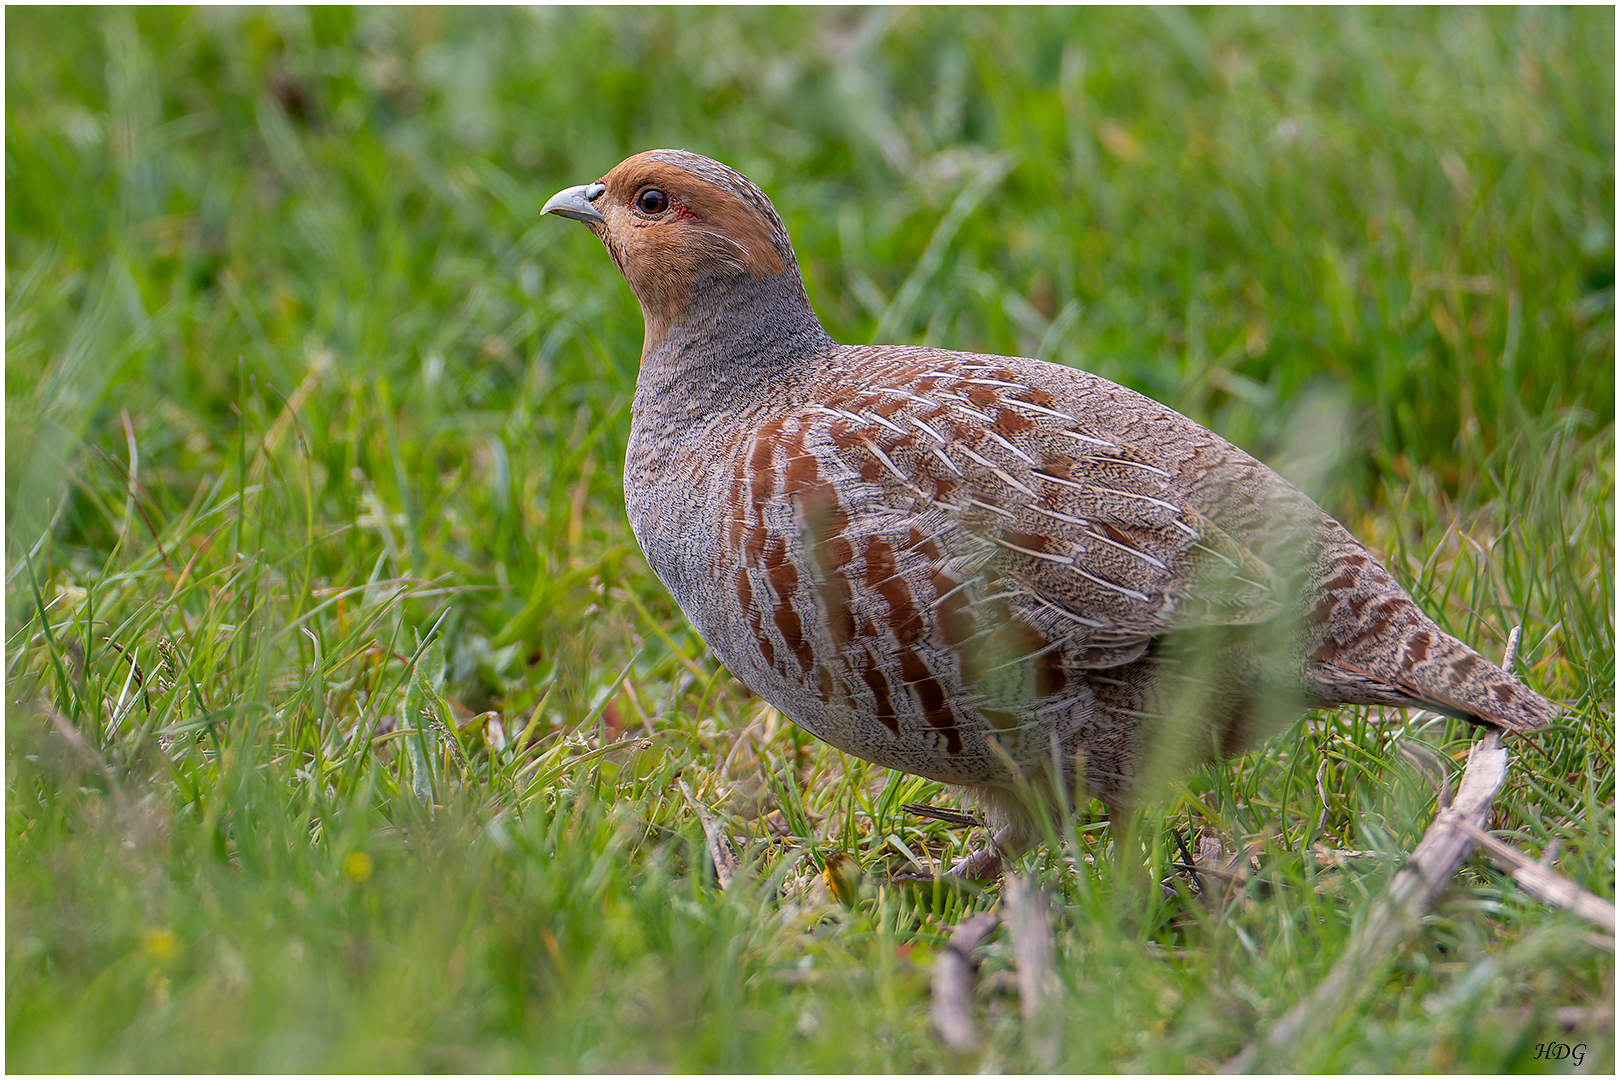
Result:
[{"x": 1096, "y": 529}]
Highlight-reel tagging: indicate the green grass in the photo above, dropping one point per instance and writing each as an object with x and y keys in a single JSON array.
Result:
[{"x": 313, "y": 427}]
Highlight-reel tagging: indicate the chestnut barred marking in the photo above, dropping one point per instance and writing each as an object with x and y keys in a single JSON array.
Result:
[
  {"x": 932, "y": 699},
  {"x": 879, "y": 684},
  {"x": 884, "y": 578},
  {"x": 1417, "y": 647}
]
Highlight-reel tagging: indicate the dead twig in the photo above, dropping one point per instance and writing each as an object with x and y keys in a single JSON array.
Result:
[
  {"x": 719, "y": 844},
  {"x": 1029, "y": 926},
  {"x": 1541, "y": 882},
  {"x": 954, "y": 972},
  {"x": 1445, "y": 846},
  {"x": 954, "y": 818},
  {"x": 1188, "y": 863},
  {"x": 1439, "y": 855}
]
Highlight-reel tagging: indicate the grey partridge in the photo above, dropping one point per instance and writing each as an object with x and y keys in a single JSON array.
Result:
[{"x": 981, "y": 569}]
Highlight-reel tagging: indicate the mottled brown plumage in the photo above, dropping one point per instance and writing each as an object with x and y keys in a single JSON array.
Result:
[{"x": 974, "y": 567}]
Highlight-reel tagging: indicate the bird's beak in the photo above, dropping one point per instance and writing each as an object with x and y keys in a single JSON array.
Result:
[{"x": 575, "y": 202}]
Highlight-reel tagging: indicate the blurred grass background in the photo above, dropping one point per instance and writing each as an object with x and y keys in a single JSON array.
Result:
[{"x": 313, "y": 427}]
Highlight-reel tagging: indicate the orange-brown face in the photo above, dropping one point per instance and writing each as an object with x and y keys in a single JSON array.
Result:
[{"x": 670, "y": 219}]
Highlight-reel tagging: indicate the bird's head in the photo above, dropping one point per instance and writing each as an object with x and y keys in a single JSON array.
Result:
[{"x": 684, "y": 230}]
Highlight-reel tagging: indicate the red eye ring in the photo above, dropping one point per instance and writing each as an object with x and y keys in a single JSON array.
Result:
[{"x": 652, "y": 201}]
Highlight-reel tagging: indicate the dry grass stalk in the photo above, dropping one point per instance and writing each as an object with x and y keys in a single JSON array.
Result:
[{"x": 954, "y": 972}]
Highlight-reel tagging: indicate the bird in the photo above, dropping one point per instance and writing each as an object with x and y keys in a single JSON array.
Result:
[{"x": 1011, "y": 576}]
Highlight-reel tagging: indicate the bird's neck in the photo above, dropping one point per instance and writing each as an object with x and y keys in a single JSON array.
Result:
[{"x": 738, "y": 340}]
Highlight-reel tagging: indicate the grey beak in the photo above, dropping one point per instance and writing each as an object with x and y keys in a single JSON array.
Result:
[{"x": 575, "y": 202}]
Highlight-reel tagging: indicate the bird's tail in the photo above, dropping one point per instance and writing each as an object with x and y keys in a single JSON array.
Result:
[{"x": 1448, "y": 677}]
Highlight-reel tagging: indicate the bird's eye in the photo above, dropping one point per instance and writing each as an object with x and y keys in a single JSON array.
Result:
[{"x": 652, "y": 201}]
